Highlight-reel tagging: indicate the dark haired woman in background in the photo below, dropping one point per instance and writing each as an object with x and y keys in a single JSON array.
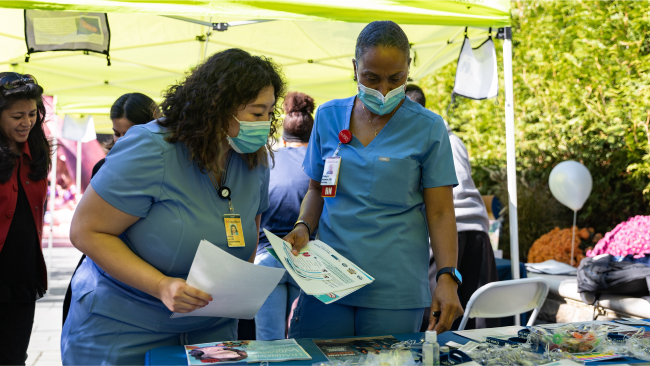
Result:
[
  {"x": 165, "y": 186},
  {"x": 287, "y": 188},
  {"x": 398, "y": 159},
  {"x": 128, "y": 110},
  {"x": 24, "y": 163}
]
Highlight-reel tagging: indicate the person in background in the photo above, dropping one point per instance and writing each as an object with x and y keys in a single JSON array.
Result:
[
  {"x": 398, "y": 159},
  {"x": 25, "y": 160},
  {"x": 287, "y": 187},
  {"x": 475, "y": 256},
  {"x": 128, "y": 110},
  {"x": 166, "y": 186}
]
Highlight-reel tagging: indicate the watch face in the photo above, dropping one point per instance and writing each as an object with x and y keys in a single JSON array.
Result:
[{"x": 457, "y": 274}]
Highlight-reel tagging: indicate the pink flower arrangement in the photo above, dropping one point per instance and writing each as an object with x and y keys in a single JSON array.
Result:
[{"x": 629, "y": 237}]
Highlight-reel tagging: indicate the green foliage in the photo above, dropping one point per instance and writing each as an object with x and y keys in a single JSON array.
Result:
[{"x": 582, "y": 92}]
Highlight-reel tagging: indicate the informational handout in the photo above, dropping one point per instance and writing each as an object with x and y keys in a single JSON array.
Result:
[
  {"x": 551, "y": 267},
  {"x": 61, "y": 30},
  {"x": 480, "y": 335},
  {"x": 238, "y": 288},
  {"x": 319, "y": 270},
  {"x": 245, "y": 351}
]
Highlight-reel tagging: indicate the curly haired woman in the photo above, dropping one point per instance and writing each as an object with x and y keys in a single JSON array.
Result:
[{"x": 165, "y": 186}]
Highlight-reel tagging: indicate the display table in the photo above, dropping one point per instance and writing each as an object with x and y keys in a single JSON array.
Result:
[{"x": 175, "y": 355}]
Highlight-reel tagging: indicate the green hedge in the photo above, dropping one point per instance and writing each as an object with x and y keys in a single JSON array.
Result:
[{"x": 582, "y": 92}]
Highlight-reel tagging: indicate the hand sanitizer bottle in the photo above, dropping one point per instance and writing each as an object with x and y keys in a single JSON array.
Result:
[{"x": 430, "y": 349}]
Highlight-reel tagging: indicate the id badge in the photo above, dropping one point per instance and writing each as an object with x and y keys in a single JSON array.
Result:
[
  {"x": 330, "y": 178},
  {"x": 234, "y": 232}
]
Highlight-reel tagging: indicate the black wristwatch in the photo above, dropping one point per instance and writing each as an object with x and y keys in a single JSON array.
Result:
[
  {"x": 453, "y": 272},
  {"x": 304, "y": 223}
]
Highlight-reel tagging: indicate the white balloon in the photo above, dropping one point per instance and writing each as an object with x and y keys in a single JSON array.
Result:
[{"x": 570, "y": 183}]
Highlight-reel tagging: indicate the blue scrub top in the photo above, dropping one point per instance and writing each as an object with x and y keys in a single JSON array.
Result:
[
  {"x": 287, "y": 187},
  {"x": 376, "y": 219},
  {"x": 148, "y": 177}
]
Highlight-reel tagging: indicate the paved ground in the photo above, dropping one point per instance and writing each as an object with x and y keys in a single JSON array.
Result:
[{"x": 44, "y": 347}]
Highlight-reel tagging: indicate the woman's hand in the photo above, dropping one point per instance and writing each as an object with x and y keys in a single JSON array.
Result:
[
  {"x": 445, "y": 300},
  {"x": 298, "y": 238},
  {"x": 180, "y": 297}
]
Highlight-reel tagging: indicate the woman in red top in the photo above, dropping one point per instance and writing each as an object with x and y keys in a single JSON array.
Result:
[{"x": 24, "y": 163}]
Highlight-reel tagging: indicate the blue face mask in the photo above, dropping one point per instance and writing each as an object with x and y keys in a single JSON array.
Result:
[
  {"x": 376, "y": 102},
  {"x": 251, "y": 137}
]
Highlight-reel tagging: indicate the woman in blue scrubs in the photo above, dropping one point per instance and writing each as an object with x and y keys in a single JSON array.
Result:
[
  {"x": 164, "y": 187},
  {"x": 399, "y": 159}
]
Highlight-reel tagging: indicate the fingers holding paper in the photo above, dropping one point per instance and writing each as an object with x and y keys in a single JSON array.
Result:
[
  {"x": 298, "y": 238},
  {"x": 180, "y": 297},
  {"x": 445, "y": 306}
]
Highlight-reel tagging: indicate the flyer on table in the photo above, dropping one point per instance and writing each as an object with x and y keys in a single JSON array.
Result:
[{"x": 245, "y": 351}]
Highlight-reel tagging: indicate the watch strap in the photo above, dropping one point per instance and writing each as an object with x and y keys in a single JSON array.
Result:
[
  {"x": 451, "y": 271},
  {"x": 304, "y": 223}
]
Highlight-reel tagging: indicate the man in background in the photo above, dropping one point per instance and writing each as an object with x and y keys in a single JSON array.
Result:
[{"x": 475, "y": 256}]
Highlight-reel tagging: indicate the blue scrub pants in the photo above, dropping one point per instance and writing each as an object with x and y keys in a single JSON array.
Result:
[
  {"x": 313, "y": 319},
  {"x": 93, "y": 339},
  {"x": 271, "y": 320}
]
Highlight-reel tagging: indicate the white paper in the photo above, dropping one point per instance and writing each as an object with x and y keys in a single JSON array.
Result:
[
  {"x": 551, "y": 267},
  {"x": 569, "y": 363},
  {"x": 239, "y": 288},
  {"x": 343, "y": 274},
  {"x": 480, "y": 335}
]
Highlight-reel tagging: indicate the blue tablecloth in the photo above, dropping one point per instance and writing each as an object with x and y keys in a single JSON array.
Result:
[{"x": 505, "y": 271}]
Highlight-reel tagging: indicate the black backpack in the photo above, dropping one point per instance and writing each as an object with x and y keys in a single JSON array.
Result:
[{"x": 603, "y": 275}]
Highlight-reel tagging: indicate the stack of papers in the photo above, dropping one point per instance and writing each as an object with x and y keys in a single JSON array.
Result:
[
  {"x": 238, "y": 288},
  {"x": 551, "y": 267},
  {"x": 319, "y": 270}
]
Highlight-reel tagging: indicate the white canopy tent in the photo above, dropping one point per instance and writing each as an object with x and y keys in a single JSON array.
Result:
[{"x": 312, "y": 39}]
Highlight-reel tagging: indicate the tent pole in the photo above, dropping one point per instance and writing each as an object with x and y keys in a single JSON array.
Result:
[
  {"x": 50, "y": 202},
  {"x": 78, "y": 175},
  {"x": 510, "y": 153},
  {"x": 207, "y": 41}
]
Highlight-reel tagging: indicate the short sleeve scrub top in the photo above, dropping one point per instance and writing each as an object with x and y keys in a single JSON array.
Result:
[
  {"x": 376, "y": 219},
  {"x": 148, "y": 177}
]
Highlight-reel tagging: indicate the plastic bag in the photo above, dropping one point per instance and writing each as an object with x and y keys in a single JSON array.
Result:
[{"x": 569, "y": 338}]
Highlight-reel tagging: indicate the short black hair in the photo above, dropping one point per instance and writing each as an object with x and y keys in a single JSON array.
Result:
[
  {"x": 382, "y": 33},
  {"x": 136, "y": 107},
  {"x": 416, "y": 94}
]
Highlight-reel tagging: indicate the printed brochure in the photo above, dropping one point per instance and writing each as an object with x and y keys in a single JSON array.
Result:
[{"x": 245, "y": 351}]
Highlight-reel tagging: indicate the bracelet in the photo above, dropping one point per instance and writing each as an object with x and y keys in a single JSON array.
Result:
[{"x": 304, "y": 223}]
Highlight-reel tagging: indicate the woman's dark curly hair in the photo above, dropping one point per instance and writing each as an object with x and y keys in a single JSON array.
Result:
[
  {"x": 39, "y": 145},
  {"x": 197, "y": 111}
]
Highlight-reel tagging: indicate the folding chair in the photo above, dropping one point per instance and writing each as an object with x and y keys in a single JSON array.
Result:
[{"x": 505, "y": 298}]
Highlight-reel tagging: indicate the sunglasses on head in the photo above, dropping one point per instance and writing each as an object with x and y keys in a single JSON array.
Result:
[{"x": 14, "y": 80}]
